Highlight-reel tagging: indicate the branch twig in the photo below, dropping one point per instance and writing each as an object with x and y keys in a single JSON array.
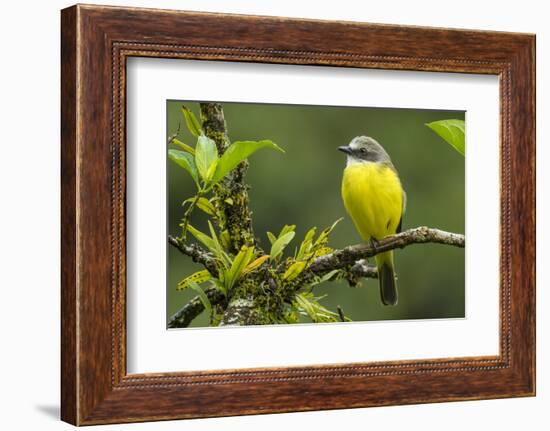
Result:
[
  {"x": 193, "y": 308},
  {"x": 361, "y": 269},
  {"x": 340, "y": 259},
  {"x": 197, "y": 254},
  {"x": 242, "y": 311}
]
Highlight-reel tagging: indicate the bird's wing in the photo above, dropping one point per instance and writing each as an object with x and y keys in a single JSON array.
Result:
[{"x": 402, "y": 212}]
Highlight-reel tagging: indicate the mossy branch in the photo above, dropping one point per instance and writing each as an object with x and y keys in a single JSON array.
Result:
[
  {"x": 232, "y": 193},
  {"x": 196, "y": 253},
  {"x": 340, "y": 259},
  {"x": 243, "y": 311},
  {"x": 193, "y": 308}
]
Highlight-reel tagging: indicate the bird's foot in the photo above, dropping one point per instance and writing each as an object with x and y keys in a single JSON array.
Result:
[{"x": 374, "y": 243}]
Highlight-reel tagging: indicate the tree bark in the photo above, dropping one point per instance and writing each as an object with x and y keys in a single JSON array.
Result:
[
  {"x": 184, "y": 317},
  {"x": 349, "y": 255}
]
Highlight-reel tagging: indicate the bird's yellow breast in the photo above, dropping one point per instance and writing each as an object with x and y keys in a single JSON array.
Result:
[{"x": 373, "y": 197}]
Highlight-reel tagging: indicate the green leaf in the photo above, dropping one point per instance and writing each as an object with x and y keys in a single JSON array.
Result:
[
  {"x": 272, "y": 238},
  {"x": 185, "y": 147},
  {"x": 316, "y": 312},
  {"x": 206, "y": 154},
  {"x": 280, "y": 244},
  {"x": 332, "y": 275},
  {"x": 329, "y": 275},
  {"x": 294, "y": 270},
  {"x": 305, "y": 246},
  {"x": 309, "y": 236},
  {"x": 219, "y": 251},
  {"x": 236, "y": 153},
  {"x": 212, "y": 168},
  {"x": 203, "y": 204},
  {"x": 290, "y": 316},
  {"x": 197, "y": 277},
  {"x": 287, "y": 228},
  {"x": 203, "y": 238},
  {"x": 214, "y": 236},
  {"x": 186, "y": 161},
  {"x": 207, "y": 206},
  {"x": 255, "y": 264},
  {"x": 240, "y": 262},
  {"x": 192, "y": 123},
  {"x": 204, "y": 299},
  {"x": 452, "y": 131},
  {"x": 322, "y": 240}
]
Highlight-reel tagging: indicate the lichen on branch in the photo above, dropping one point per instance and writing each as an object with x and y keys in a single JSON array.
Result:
[
  {"x": 196, "y": 253},
  {"x": 349, "y": 255},
  {"x": 186, "y": 314}
]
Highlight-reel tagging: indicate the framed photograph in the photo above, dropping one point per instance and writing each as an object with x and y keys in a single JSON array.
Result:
[{"x": 266, "y": 215}]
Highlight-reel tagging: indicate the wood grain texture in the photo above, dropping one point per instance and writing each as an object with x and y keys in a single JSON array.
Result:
[
  {"x": 69, "y": 397},
  {"x": 96, "y": 41}
]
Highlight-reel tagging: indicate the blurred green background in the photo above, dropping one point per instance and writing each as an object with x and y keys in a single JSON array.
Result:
[{"x": 302, "y": 187}]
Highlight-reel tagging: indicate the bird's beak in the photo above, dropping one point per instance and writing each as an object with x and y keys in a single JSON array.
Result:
[{"x": 345, "y": 149}]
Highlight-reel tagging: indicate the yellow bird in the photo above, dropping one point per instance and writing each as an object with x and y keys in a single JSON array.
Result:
[{"x": 375, "y": 200}]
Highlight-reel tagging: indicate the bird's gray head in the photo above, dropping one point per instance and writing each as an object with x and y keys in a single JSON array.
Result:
[{"x": 365, "y": 149}]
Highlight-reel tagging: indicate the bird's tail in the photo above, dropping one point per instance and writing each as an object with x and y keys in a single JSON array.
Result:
[{"x": 386, "y": 278}]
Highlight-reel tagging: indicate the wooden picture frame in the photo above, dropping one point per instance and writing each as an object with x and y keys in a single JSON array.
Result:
[{"x": 95, "y": 43}]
